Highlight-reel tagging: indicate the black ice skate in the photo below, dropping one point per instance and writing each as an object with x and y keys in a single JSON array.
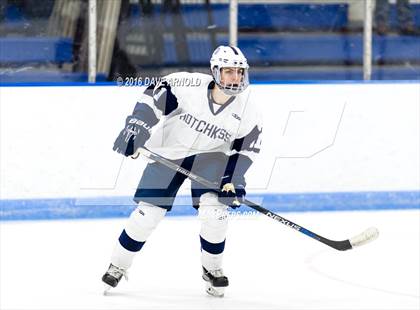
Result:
[
  {"x": 215, "y": 282},
  {"x": 112, "y": 277}
]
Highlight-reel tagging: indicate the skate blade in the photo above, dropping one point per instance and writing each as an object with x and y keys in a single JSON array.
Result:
[
  {"x": 106, "y": 289},
  {"x": 215, "y": 291}
]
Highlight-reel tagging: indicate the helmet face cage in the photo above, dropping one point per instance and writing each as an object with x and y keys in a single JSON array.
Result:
[{"x": 229, "y": 57}]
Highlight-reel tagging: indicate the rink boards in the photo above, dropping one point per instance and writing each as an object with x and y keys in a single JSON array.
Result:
[{"x": 337, "y": 146}]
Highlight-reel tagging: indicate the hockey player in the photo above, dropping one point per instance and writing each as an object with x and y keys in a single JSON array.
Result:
[{"x": 207, "y": 125}]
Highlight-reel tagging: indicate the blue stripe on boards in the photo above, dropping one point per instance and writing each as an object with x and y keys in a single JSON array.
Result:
[
  {"x": 114, "y": 207},
  {"x": 129, "y": 243}
]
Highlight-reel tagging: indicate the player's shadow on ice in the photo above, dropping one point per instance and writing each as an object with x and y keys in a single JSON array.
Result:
[{"x": 180, "y": 299}]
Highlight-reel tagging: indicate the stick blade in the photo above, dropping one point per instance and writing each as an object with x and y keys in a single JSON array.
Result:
[{"x": 367, "y": 236}]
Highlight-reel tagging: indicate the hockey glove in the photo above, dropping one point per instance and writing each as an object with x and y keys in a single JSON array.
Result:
[
  {"x": 232, "y": 194},
  {"x": 133, "y": 136}
]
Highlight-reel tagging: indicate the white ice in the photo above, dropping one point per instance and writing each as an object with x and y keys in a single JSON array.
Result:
[{"x": 59, "y": 264}]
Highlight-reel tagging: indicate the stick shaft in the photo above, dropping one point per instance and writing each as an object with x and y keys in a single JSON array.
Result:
[{"x": 338, "y": 245}]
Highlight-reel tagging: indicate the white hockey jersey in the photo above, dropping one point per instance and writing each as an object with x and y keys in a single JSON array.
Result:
[{"x": 190, "y": 124}]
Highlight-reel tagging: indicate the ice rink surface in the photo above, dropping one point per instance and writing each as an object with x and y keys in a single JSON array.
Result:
[{"x": 59, "y": 264}]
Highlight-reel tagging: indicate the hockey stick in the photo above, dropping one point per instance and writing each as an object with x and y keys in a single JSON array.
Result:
[{"x": 368, "y": 235}]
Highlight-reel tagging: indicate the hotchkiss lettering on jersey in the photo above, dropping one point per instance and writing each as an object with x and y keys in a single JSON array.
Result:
[{"x": 204, "y": 127}]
